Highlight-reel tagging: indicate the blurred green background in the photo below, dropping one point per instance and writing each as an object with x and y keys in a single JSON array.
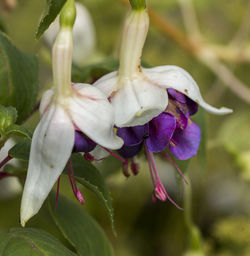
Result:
[{"x": 219, "y": 176}]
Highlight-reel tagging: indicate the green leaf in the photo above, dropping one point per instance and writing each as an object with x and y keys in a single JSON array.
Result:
[
  {"x": 31, "y": 242},
  {"x": 21, "y": 150},
  {"x": 18, "y": 130},
  {"x": 235, "y": 137},
  {"x": 18, "y": 78},
  {"x": 90, "y": 177},
  {"x": 8, "y": 116},
  {"x": 79, "y": 228},
  {"x": 2, "y": 25},
  {"x": 51, "y": 11}
]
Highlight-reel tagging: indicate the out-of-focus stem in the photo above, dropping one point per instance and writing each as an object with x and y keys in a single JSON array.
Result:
[
  {"x": 196, "y": 243},
  {"x": 190, "y": 20}
]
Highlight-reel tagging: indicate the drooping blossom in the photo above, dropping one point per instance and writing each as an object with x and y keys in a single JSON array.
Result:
[
  {"x": 68, "y": 111},
  {"x": 152, "y": 105},
  {"x": 140, "y": 94}
]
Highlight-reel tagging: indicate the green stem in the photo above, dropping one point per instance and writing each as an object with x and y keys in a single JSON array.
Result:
[
  {"x": 138, "y": 4},
  {"x": 196, "y": 243}
]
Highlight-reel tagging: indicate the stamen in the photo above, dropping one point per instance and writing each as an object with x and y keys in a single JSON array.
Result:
[
  {"x": 135, "y": 165},
  {"x": 125, "y": 169},
  {"x": 79, "y": 197},
  {"x": 159, "y": 190},
  {"x": 71, "y": 175},
  {"x": 72, "y": 185},
  {"x": 113, "y": 154},
  {"x": 57, "y": 192},
  {"x": 5, "y": 161},
  {"x": 176, "y": 166},
  {"x": 150, "y": 165}
]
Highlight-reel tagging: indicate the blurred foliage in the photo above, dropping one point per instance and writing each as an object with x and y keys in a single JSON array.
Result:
[
  {"x": 220, "y": 194},
  {"x": 232, "y": 236}
]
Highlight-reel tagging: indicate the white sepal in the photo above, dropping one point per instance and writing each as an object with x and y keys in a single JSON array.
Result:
[
  {"x": 137, "y": 102},
  {"x": 93, "y": 115},
  {"x": 107, "y": 83},
  {"x": 177, "y": 78},
  {"x": 46, "y": 100},
  {"x": 51, "y": 147}
]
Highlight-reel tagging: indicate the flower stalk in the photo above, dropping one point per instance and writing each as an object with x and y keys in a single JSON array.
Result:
[
  {"x": 62, "y": 52},
  {"x": 138, "y": 4},
  {"x": 133, "y": 39}
]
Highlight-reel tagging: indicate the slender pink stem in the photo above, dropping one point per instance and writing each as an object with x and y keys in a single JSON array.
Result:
[
  {"x": 176, "y": 166},
  {"x": 72, "y": 185},
  {"x": 159, "y": 188},
  {"x": 150, "y": 165},
  {"x": 57, "y": 192},
  {"x": 113, "y": 154},
  {"x": 172, "y": 201},
  {"x": 5, "y": 161},
  {"x": 72, "y": 174}
]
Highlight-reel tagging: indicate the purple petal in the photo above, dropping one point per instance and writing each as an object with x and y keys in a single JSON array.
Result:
[
  {"x": 192, "y": 106},
  {"x": 133, "y": 135},
  {"x": 129, "y": 151},
  {"x": 177, "y": 95},
  {"x": 181, "y": 121},
  {"x": 185, "y": 143},
  {"x": 83, "y": 143},
  {"x": 161, "y": 129}
]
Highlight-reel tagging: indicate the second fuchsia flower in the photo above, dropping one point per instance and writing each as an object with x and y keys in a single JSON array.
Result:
[
  {"x": 67, "y": 112},
  {"x": 153, "y": 106}
]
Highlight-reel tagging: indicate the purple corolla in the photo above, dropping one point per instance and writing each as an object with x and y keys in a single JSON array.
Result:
[{"x": 172, "y": 129}]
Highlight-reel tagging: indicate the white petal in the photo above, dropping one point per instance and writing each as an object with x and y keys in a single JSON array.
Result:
[
  {"x": 46, "y": 100},
  {"x": 108, "y": 83},
  {"x": 51, "y": 147},
  {"x": 94, "y": 116},
  {"x": 137, "y": 102},
  {"x": 180, "y": 80}
]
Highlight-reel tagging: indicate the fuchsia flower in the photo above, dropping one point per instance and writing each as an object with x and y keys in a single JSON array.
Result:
[
  {"x": 140, "y": 94},
  {"x": 68, "y": 111},
  {"x": 153, "y": 106}
]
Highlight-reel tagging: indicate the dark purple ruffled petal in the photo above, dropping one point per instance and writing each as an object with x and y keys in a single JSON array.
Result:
[
  {"x": 130, "y": 151},
  {"x": 133, "y": 135},
  {"x": 83, "y": 143},
  {"x": 185, "y": 143},
  {"x": 192, "y": 106},
  {"x": 177, "y": 95},
  {"x": 181, "y": 120},
  {"x": 161, "y": 129}
]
